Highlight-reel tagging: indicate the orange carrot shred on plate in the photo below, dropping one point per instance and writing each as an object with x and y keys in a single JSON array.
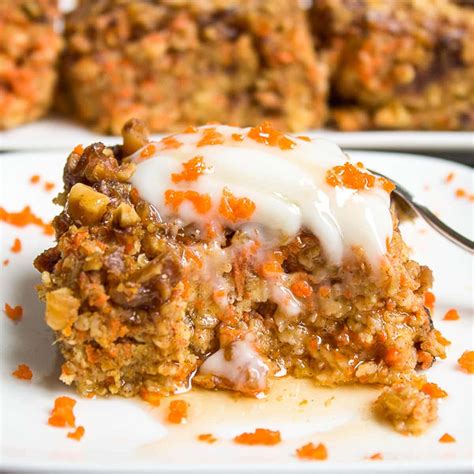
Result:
[
  {"x": 77, "y": 434},
  {"x": 447, "y": 438},
  {"x": 433, "y": 390},
  {"x": 376, "y": 457},
  {"x": 23, "y": 372},
  {"x": 451, "y": 315},
  {"x": 312, "y": 452},
  {"x": 16, "y": 247},
  {"x": 261, "y": 436},
  {"x": 62, "y": 413},
  {"x": 449, "y": 177},
  {"x": 178, "y": 412},
  {"x": 34, "y": 179},
  {"x": 6, "y": 262},
  {"x": 48, "y": 186},
  {"x": 15, "y": 313},
  {"x": 207, "y": 438},
  {"x": 466, "y": 361},
  {"x": 23, "y": 218}
]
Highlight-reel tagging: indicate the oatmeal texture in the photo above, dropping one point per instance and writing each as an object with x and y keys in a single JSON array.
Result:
[
  {"x": 191, "y": 62},
  {"x": 29, "y": 48},
  {"x": 398, "y": 64}
]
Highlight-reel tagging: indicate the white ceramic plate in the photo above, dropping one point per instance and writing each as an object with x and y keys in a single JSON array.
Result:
[
  {"x": 60, "y": 133},
  {"x": 131, "y": 435}
]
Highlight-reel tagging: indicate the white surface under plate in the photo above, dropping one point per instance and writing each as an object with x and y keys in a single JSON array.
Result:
[
  {"x": 131, "y": 435},
  {"x": 60, "y": 133}
]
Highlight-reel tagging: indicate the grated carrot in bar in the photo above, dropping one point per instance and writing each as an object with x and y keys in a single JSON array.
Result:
[{"x": 433, "y": 390}]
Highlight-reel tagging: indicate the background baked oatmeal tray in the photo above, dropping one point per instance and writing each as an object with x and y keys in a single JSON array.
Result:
[{"x": 129, "y": 434}]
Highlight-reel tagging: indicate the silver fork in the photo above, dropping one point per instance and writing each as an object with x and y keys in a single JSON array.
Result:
[{"x": 410, "y": 204}]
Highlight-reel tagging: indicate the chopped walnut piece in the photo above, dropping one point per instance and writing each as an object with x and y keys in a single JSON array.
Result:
[{"x": 86, "y": 205}]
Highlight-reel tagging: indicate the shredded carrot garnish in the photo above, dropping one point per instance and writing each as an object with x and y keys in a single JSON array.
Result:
[
  {"x": 466, "y": 361},
  {"x": 16, "y": 247},
  {"x": 15, "y": 313},
  {"x": 302, "y": 289},
  {"x": 451, "y": 315},
  {"x": 260, "y": 436},
  {"x": 311, "y": 452},
  {"x": 324, "y": 291},
  {"x": 23, "y": 372},
  {"x": 447, "y": 438},
  {"x": 207, "y": 438},
  {"x": 462, "y": 193},
  {"x": 153, "y": 398},
  {"x": 24, "y": 218},
  {"x": 62, "y": 413},
  {"x": 78, "y": 149},
  {"x": 211, "y": 137},
  {"x": 190, "y": 129},
  {"x": 48, "y": 186},
  {"x": 234, "y": 208},
  {"x": 148, "y": 151},
  {"x": 376, "y": 457},
  {"x": 201, "y": 202},
  {"x": 449, "y": 177},
  {"x": 238, "y": 137},
  {"x": 267, "y": 135},
  {"x": 433, "y": 390},
  {"x": 77, "y": 434},
  {"x": 178, "y": 411},
  {"x": 192, "y": 169},
  {"x": 429, "y": 300},
  {"x": 170, "y": 143},
  {"x": 34, "y": 179},
  {"x": 304, "y": 138},
  {"x": 351, "y": 177}
]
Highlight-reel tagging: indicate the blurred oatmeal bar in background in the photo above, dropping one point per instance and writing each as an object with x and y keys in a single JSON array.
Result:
[
  {"x": 29, "y": 47},
  {"x": 398, "y": 64},
  {"x": 174, "y": 63}
]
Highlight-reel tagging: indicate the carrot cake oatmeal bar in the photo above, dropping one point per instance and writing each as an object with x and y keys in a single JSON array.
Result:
[
  {"x": 29, "y": 47},
  {"x": 172, "y": 63},
  {"x": 398, "y": 64},
  {"x": 225, "y": 256}
]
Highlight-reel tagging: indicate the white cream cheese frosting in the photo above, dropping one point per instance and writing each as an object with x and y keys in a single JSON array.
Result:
[{"x": 288, "y": 188}]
